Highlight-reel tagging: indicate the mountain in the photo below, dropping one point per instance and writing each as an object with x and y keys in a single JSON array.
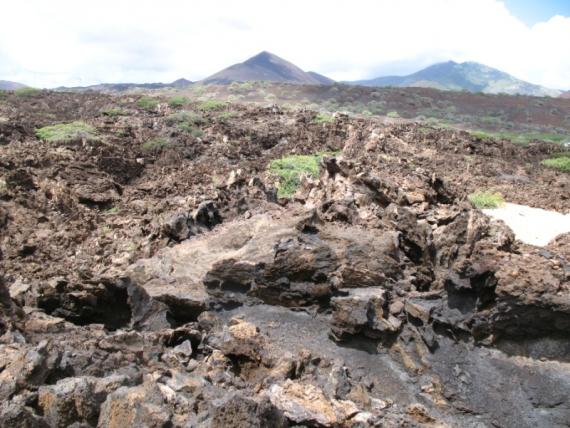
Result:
[
  {"x": 565, "y": 94},
  {"x": 470, "y": 76},
  {"x": 120, "y": 87},
  {"x": 267, "y": 66},
  {"x": 324, "y": 80},
  {"x": 6, "y": 85}
]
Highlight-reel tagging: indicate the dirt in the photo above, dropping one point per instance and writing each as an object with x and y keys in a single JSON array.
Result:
[{"x": 171, "y": 287}]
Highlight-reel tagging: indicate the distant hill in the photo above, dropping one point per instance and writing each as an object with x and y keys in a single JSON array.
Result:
[
  {"x": 269, "y": 67},
  {"x": 120, "y": 87},
  {"x": 470, "y": 76},
  {"x": 6, "y": 85},
  {"x": 565, "y": 94}
]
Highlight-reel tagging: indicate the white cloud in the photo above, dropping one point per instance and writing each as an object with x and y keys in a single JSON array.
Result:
[{"x": 64, "y": 42}]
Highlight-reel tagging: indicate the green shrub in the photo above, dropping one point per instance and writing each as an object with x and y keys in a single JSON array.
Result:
[
  {"x": 184, "y": 116},
  {"x": 178, "y": 101},
  {"x": 222, "y": 117},
  {"x": 560, "y": 162},
  {"x": 147, "y": 103},
  {"x": 27, "y": 92},
  {"x": 67, "y": 132},
  {"x": 113, "y": 112},
  {"x": 393, "y": 114},
  {"x": 290, "y": 168},
  {"x": 484, "y": 199},
  {"x": 323, "y": 118},
  {"x": 212, "y": 105},
  {"x": 156, "y": 144},
  {"x": 187, "y": 127}
]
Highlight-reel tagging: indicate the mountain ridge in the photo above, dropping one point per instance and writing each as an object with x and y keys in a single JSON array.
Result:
[{"x": 469, "y": 75}]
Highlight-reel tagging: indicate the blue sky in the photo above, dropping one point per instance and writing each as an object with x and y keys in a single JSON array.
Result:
[{"x": 534, "y": 11}]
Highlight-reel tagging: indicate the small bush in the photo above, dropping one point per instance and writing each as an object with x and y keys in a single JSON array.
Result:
[
  {"x": 486, "y": 200},
  {"x": 290, "y": 168},
  {"x": 184, "y": 116},
  {"x": 147, "y": 103},
  {"x": 27, "y": 92},
  {"x": 224, "y": 116},
  {"x": 187, "y": 127},
  {"x": 178, "y": 101},
  {"x": 323, "y": 118},
  {"x": 212, "y": 105},
  {"x": 393, "y": 114},
  {"x": 560, "y": 162},
  {"x": 156, "y": 144},
  {"x": 67, "y": 132}
]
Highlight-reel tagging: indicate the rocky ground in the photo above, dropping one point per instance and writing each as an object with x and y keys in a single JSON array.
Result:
[{"x": 169, "y": 286}]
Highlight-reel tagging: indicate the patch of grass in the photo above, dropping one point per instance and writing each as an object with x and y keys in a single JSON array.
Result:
[
  {"x": 393, "y": 114},
  {"x": 178, "y": 101},
  {"x": 156, "y": 144},
  {"x": 113, "y": 112},
  {"x": 212, "y": 105},
  {"x": 560, "y": 162},
  {"x": 485, "y": 199},
  {"x": 289, "y": 169},
  {"x": 67, "y": 132},
  {"x": 112, "y": 211},
  {"x": 147, "y": 103},
  {"x": 323, "y": 118},
  {"x": 27, "y": 92}
]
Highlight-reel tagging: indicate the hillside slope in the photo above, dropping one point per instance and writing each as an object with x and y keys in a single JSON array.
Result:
[
  {"x": 6, "y": 85},
  {"x": 470, "y": 76}
]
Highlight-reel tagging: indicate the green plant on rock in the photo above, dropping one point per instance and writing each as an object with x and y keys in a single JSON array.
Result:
[
  {"x": 67, "y": 132},
  {"x": 178, "y": 101},
  {"x": 184, "y": 116},
  {"x": 187, "y": 127},
  {"x": 486, "y": 199},
  {"x": 289, "y": 170},
  {"x": 393, "y": 114},
  {"x": 560, "y": 162},
  {"x": 212, "y": 105},
  {"x": 147, "y": 103},
  {"x": 156, "y": 144},
  {"x": 323, "y": 118}
]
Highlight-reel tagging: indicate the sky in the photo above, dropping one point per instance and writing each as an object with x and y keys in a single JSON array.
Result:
[{"x": 63, "y": 42}]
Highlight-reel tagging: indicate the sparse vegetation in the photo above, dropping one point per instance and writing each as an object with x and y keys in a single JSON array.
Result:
[
  {"x": 156, "y": 144},
  {"x": 222, "y": 117},
  {"x": 112, "y": 211},
  {"x": 212, "y": 105},
  {"x": 522, "y": 138},
  {"x": 393, "y": 114},
  {"x": 560, "y": 162},
  {"x": 187, "y": 127},
  {"x": 147, "y": 103},
  {"x": 290, "y": 169},
  {"x": 178, "y": 101},
  {"x": 27, "y": 92},
  {"x": 486, "y": 199},
  {"x": 184, "y": 116},
  {"x": 113, "y": 112},
  {"x": 323, "y": 118},
  {"x": 67, "y": 132}
]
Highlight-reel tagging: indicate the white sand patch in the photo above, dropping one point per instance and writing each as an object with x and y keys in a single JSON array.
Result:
[{"x": 533, "y": 226}]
